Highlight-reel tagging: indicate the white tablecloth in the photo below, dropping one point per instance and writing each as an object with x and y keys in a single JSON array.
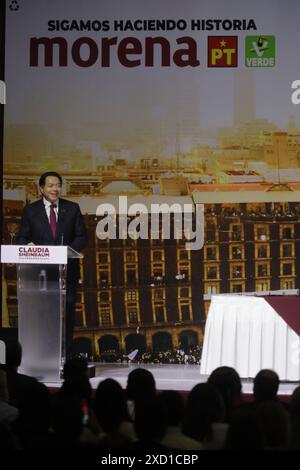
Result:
[{"x": 247, "y": 334}]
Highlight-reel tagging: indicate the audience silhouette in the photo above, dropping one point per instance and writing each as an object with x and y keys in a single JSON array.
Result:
[{"x": 214, "y": 416}]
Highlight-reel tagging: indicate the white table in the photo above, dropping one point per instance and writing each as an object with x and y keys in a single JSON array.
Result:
[{"x": 247, "y": 334}]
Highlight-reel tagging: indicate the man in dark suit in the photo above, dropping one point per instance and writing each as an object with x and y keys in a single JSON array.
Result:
[{"x": 55, "y": 221}]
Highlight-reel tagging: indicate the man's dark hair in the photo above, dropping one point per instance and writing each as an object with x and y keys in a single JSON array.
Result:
[
  {"x": 227, "y": 381},
  {"x": 76, "y": 366},
  {"x": 42, "y": 180},
  {"x": 140, "y": 385},
  {"x": 265, "y": 385}
]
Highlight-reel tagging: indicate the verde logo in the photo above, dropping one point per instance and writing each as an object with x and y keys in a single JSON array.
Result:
[{"x": 260, "y": 51}]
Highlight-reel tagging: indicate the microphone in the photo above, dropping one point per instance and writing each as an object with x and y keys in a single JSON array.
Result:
[{"x": 62, "y": 213}]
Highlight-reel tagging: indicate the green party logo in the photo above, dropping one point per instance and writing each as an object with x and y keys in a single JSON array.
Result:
[{"x": 260, "y": 51}]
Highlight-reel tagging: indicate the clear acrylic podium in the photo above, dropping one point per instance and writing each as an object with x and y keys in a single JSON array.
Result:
[{"x": 41, "y": 306}]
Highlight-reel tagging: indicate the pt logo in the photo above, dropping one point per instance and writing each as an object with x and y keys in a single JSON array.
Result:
[
  {"x": 222, "y": 51},
  {"x": 260, "y": 51}
]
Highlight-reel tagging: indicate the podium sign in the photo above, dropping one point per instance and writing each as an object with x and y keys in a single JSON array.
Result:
[
  {"x": 34, "y": 254},
  {"x": 41, "y": 278}
]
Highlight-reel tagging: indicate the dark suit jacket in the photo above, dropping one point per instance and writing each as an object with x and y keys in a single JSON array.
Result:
[{"x": 35, "y": 227}]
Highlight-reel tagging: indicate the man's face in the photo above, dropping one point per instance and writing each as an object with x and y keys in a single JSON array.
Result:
[{"x": 52, "y": 188}]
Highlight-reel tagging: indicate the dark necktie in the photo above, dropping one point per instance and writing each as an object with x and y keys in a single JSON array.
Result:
[{"x": 53, "y": 219}]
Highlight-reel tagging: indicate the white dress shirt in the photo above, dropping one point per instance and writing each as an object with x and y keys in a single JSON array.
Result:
[{"x": 47, "y": 207}]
